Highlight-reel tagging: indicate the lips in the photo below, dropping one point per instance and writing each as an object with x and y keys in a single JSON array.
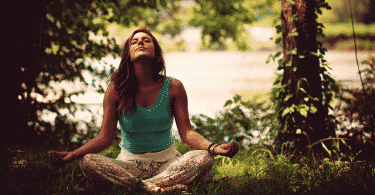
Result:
[{"x": 141, "y": 49}]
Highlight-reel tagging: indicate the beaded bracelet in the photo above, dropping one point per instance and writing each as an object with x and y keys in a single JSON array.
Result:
[{"x": 211, "y": 149}]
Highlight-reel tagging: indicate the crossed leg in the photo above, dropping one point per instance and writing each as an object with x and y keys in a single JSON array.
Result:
[
  {"x": 195, "y": 164},
  {"x": 181, "y": 171}
]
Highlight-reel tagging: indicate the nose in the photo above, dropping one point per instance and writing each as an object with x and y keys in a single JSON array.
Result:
[{"x": 140, "y": 42}]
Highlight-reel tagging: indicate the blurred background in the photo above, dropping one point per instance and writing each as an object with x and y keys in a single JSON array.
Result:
[{"x": 211, "y": 73}]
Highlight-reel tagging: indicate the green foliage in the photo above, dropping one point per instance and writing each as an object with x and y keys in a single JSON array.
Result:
[
  {"x": 293, "y": 109},
  {"x": 221, "y": 20},
  {"x": 64, "y": 42},
  {"x": 358, "y": 110},
  {"x": 238, "y": 121},
  {"x": 341, "y": 29}
]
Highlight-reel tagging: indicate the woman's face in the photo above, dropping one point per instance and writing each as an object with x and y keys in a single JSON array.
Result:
[{"x": 141, "y": 45}]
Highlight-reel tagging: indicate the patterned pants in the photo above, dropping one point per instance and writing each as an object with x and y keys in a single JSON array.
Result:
[{"x": 183, "y": 169}]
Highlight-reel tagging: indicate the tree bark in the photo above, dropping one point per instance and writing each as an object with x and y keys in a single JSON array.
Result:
[{"x": 314, "y": 127}]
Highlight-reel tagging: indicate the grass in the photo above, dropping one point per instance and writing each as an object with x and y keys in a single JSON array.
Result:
[
  {"x": 346, "y": 29},
  {"x": 255, "y": 171}
]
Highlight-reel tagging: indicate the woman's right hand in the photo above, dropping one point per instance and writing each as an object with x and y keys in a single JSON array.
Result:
[{"x": 60, "y": 159}]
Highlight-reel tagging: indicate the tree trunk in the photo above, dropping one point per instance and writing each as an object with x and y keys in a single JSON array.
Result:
[{"x": 307, "y": 72}]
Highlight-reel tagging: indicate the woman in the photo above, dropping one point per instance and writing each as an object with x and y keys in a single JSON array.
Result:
[{"x": 144, "y": 101}]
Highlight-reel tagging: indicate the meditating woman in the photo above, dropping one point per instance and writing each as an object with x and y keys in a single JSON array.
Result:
[{"x": 144, "y": 102}]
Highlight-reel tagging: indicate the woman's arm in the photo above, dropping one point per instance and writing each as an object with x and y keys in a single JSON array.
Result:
[
  {"x": 186, "y": 131},
  {"x": 108, "y": 129},
  {"x": 180, "y": 112}
]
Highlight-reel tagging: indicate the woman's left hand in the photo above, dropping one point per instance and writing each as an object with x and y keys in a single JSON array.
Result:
[{"x": 228, "y": 150}]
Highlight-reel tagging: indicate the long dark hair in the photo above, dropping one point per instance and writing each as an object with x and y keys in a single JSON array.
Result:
[{"x": 124, "y": 78}]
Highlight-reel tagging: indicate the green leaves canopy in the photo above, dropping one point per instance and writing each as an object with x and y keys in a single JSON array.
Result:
[
  {"x": 54, "y": 39},
  {"x": 223, "y": 19}
]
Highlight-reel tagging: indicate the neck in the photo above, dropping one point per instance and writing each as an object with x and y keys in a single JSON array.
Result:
[{"x": 143, "y": 72}]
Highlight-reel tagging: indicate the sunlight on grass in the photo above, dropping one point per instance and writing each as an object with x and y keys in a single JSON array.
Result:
[
  {"x": 230, "y": 167},
  {"x": 254, "y": 171},
  {"x": 346, "y": 29}
]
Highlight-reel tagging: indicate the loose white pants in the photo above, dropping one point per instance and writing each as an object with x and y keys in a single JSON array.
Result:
[{"x": 163, "y": 169}]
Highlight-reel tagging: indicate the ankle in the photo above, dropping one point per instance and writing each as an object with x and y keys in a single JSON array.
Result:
[{"x": 151, "y": 187}]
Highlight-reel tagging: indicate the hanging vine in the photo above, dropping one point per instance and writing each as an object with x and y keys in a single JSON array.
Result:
[{"x": 293, "y": 109}]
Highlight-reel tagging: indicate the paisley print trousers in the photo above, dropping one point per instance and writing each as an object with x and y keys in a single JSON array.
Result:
[{"x": 181, "y": 169}]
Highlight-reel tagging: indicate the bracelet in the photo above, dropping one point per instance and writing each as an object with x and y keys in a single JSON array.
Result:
[{"x": 211, "y": 149}]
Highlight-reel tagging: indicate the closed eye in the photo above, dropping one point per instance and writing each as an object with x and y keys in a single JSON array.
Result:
[{"x": 145, "y": 39}]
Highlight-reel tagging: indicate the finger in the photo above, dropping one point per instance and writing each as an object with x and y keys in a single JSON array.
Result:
[
  {"x": 55, "y": 160},
  {"x": 231, "y": 149},
  {"x": 234, "y": 149},
  {"x": 62, "y": 154}
]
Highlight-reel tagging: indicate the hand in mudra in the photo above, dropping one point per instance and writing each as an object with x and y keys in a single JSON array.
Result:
[
  {"x": 60, "y": 159},
  {"x": 228, "y": 150}
]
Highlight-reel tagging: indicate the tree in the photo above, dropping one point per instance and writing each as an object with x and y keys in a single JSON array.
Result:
[
  {"x": 301, "y": 97},
  {"x": 49, "y": 43},
  {"x": 303, "y": 104},
  {"x": 222, "y": 20}
]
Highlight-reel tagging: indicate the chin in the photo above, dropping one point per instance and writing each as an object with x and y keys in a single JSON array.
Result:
[{"x": 143, "y": 58}]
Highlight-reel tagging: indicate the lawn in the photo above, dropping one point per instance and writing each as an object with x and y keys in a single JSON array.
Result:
[{"x": 254, "y": 171}]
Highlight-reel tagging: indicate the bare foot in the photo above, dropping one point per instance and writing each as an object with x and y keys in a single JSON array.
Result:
[{"x": 181, "y": 187}]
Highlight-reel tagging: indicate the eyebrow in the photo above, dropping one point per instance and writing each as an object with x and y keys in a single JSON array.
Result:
[{"x": 144, "y": 37}]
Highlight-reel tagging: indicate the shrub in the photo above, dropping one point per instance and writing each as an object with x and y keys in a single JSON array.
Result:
[{"x": 358, "y": 122}]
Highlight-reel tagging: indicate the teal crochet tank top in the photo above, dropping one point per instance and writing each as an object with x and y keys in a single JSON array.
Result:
[{"x": 149, "y": 129}]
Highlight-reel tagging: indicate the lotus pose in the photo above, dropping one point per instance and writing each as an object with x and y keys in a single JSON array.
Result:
[{"x": 145, "y": 102}]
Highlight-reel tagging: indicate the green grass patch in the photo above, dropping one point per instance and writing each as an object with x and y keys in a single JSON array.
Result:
[
  {"x": 337, "y": 29},
  {"x": 253, "y": 171}
]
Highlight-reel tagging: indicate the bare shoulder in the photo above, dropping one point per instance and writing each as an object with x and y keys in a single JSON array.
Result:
[
  {"x": 176, "y": 87},
  {"x": 111, "y": 94}
]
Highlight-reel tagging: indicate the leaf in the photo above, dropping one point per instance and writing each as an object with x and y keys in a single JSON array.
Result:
[
  {"x": 293, "y": 17},
  {"x": 298, "y": 131},
  {"x": 303, "y": 112},
  {"x": 289, "y": 64},
  {"x": 288, "y": 97},
  {"x": 293, "y": 33},
  {"x": 163, "y": 3},
  {"x": 280, "y": 62},
  {"x": 228, "y": 102},
  {"x": 314, "y": 54},
  {"x": 291, "y": 2},
  {"x": 292, "y": 51},
  {"x": 276, "y": 55},
  {"x": 237, "y": 98},
  {"x": 325, "y": 147},
  {"x": 286, "y": 111},
  {"x": 313, "y": 109}
]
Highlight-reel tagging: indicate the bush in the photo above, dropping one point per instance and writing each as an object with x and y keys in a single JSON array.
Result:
[
  {"x": 237, "y": 122},
  {"x": 359, "y": 114}
]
